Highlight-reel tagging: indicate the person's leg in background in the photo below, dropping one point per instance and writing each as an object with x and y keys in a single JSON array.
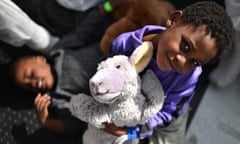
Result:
[{"x": 17, "y": 29}]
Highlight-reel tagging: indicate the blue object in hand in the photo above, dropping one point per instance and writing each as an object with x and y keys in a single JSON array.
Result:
[{"x": 132, "y": 133}]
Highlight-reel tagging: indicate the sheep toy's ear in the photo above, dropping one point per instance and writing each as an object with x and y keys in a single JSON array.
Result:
[{"x": 141, "y": 56}]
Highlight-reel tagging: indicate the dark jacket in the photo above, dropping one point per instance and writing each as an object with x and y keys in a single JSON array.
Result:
[{"x": 73, "y": 68}]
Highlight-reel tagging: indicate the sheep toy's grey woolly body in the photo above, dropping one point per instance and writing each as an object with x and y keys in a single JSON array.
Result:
[{"x": 116, "y": 96}]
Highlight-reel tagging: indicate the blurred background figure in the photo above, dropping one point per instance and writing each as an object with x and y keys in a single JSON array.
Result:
[
  {"x": 228, "y": 70},
  {"x": 79, "y": 5},
  {"x": 17, "y": 29}
]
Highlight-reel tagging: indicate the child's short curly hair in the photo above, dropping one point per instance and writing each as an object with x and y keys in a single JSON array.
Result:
[{"x": 218, "y": 23}]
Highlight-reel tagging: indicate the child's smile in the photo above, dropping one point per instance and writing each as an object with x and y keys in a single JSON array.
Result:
[{"x": 183, "y": 47}]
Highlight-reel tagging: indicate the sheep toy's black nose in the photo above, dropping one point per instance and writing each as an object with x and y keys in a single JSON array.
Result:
[
  {"x": 94, "y": 84},
  {"x": 97, "y": 87}
]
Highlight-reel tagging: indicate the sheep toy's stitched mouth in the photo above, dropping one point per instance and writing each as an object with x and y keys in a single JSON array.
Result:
[
  {"x": 97, "y": 93},
  {"x": 107, "y": 98}
]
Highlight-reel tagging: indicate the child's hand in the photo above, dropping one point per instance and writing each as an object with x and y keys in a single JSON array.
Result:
[
  {"x": 41, "y": 104},
  {"x": 114, "y": 130},
  {"x": 123, "y": 134}
]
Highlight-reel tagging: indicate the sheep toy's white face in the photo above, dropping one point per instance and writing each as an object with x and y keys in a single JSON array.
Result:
[
  {"x": 108, "y": 84},
  {"x": 117, "y": 77}
]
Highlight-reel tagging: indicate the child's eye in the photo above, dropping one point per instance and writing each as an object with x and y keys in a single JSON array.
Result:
[
  {"x": 194, "y": 63},
  {"x": 185, "y": 46},
  {"x": 27, "y": 74},
  {"x": 30, "y": 75}
]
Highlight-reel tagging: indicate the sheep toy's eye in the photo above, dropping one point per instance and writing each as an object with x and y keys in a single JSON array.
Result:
[{"x": 118, "y": 66}]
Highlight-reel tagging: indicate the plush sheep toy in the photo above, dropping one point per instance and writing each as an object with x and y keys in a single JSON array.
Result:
[{"x": 116, "y": 95}]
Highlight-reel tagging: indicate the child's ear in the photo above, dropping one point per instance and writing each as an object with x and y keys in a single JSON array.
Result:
[{"x": 175, "y": 17}]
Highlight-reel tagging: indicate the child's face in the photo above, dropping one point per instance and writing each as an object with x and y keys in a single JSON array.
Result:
[
  {"x": 182, "y": 47},
  {"x": 34, "y": 73}
]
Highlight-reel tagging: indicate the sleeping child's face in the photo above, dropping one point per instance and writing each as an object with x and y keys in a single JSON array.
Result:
[{"x": 33, "y": 73}]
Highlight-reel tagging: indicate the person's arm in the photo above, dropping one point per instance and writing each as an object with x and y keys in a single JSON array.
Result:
[
  {"x": 174, "y": 104},
  {"x": 41, "y": 104},
  {"x": 178, "y": 97},
  {"x": 55, "y": 125},
  {"x": 152, "y": 90},
  {"x": 126, "y": 42},
  {"x": 114, "y": 130}
]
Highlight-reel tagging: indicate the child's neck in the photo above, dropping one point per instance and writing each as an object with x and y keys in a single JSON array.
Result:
[
  {"x": 154, "y": 38},
  {"x": 148, "y": 37}
]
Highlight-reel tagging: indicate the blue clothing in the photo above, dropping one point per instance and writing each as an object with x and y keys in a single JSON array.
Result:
[{"x": 178, "y": 87}]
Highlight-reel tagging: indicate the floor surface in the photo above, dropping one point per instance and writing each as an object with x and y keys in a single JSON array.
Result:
[{"x": 217, "y": 119}]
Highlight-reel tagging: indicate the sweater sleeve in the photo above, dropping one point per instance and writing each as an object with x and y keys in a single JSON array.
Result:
[
  {"x": 126, "y": 42},
  {"x": 121, "y": 45},
  {"x": 178, "y": 98}
]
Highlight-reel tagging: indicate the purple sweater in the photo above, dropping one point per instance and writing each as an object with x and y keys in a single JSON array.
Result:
[{"x": 178, "y": 87}]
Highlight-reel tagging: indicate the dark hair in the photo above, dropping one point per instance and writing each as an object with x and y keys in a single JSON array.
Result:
[{"x": 218, "y": 23}]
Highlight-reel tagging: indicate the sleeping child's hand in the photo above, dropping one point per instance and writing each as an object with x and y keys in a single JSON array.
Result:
[{"x": 41, "y": 104}]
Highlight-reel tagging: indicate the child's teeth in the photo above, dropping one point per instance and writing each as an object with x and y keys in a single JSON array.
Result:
[{"x": 40, "y": 83}]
